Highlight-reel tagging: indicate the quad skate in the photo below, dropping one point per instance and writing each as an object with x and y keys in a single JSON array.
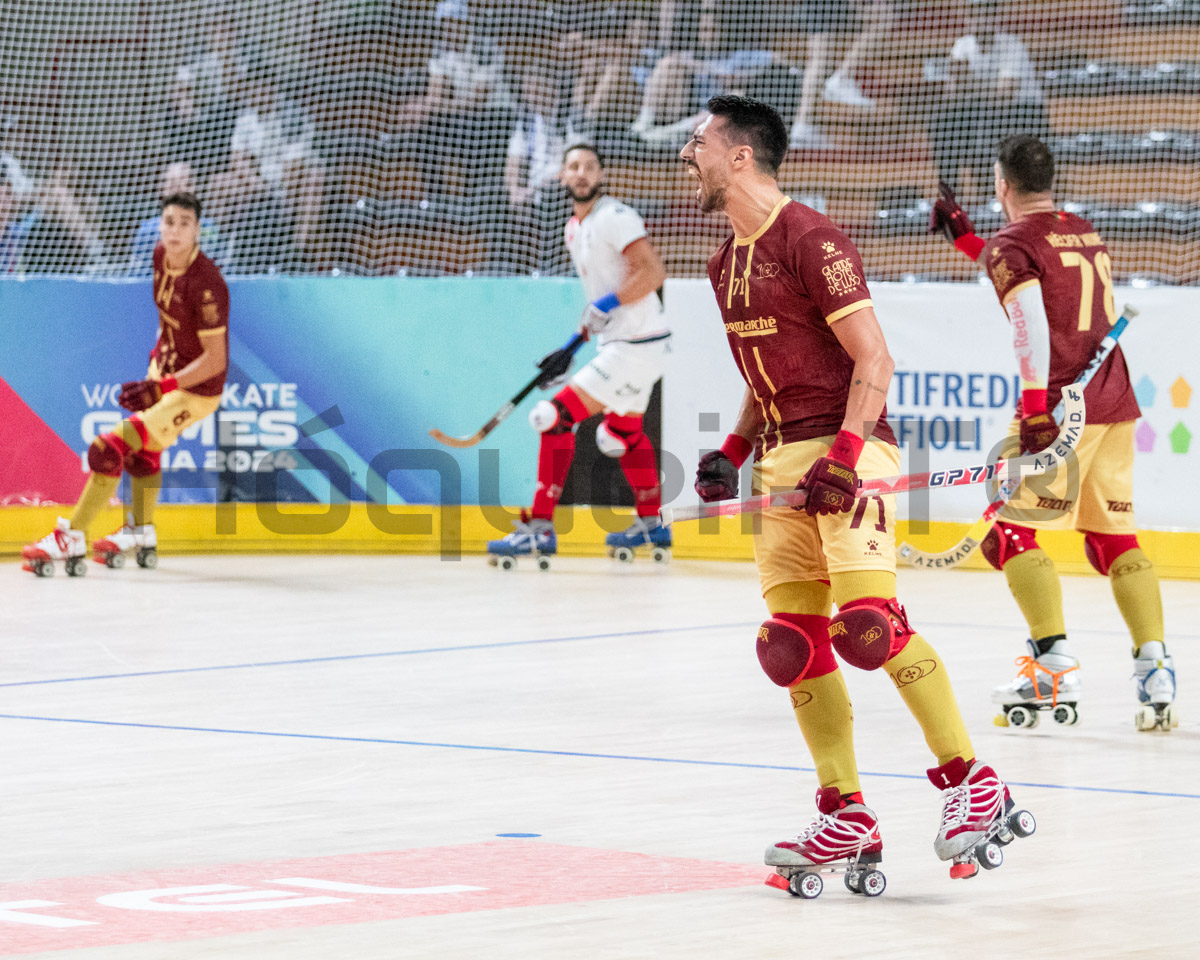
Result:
[
  {"x": 644, "y": 531},
  {"x": 535, "y": 538},
  {"x": 63, "y": 545},
  {"x": 1049, "y": 681},
  {"x": 141, "y": 541},
  {"x": 842, "y": 841},
  {"x": 1154, "y": 678},
  {"x": 978, "y": 818}
]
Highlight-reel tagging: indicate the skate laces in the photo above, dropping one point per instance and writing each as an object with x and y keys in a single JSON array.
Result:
[
  {"x": 1029, "y": 668},
  {"x": 956, "y": 806}
]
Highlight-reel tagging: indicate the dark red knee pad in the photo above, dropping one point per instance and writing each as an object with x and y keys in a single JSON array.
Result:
[
  {"x": 106, "y": 454},
  {"x": 786, "y": 649},
  {"x": 867, "y": 633},
  {"x": 1102, "y": 549},
  {"x": 1004, "y": 541},
  {"x": 144, "y": 463}
]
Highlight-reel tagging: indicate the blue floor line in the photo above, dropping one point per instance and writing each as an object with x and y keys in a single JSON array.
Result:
[
  {"x": 565, "y": 753},
  {"x": 370, "y": 656}
]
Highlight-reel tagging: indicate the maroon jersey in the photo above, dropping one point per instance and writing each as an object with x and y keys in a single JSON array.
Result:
[
  {"x": 779, "y": 291},
  {"x": 1068, "y": 258},
  {"x": 193, "y": 305}
]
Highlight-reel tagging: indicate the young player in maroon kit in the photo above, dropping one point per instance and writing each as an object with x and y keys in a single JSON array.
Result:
[
  {"x": 1053, "y": 275},
  {"x": 800, "y": 323},
  {"x": 182, "y": 387}
]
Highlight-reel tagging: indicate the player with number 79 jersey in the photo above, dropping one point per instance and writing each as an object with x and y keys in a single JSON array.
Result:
[{"x": 1052, "y": 273}]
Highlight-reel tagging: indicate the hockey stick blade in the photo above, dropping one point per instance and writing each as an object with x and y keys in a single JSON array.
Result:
[
  {"x": 1063, "y": 447},
  {"x": 501, "y": 415},
  {"x": 961, "y": 551}
]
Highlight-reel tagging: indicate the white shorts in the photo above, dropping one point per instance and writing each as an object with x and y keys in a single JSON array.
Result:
[{"x": 621, "y": 375}]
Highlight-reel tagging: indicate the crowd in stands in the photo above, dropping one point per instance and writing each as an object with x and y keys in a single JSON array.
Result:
[{"x": 427, "y": 136}]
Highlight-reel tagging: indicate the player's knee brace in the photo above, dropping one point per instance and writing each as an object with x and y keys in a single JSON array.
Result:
[
  {"x": 616, "y": 436},
  {"x": 786, "y": 650},
  {"x": 868, "y": 632},
  {"x": 559, "y": 414},
  {"x": 1004, "y": 541},
  {"x": 144, "y": 463},
  {"x": 106, "y": 453},
  {"x": 1102, "y": 549}
]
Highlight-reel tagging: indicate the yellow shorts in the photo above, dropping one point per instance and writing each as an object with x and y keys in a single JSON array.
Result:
[
  {"x": 1092, "y": 492},
  {"x": 792, "y": 546},
  {"x": 173, "y": 414}
]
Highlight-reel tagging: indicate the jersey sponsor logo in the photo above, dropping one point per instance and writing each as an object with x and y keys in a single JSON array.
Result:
[
  {"x": 1049, "y": 503},
  {"x": 1120, "y": 506},
  {"x": 831, "y": 250},
  {"x": 1061, "y": 240},
  {"x": 841, "y": 277},
  {"x": 913, "y": 672},
  {"x": 1001, "y": 272},
  {"x": 847, "y": 475},
  {"x": 762, "y": 327},
  {"x": 765, "y": 271}
]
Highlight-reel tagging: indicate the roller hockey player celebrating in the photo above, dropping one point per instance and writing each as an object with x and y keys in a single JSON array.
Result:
[
  {"x": 183, "y": 386},
  {"x": 621, "y": 272},
  {"x": 804, "y": 335},
  {"x": 1053, "y": 275}
]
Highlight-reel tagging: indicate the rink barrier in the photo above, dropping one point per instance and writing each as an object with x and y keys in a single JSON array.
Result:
[{"x": 464, "y": 531}]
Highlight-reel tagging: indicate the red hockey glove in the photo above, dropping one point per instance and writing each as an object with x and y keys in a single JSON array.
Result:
[
  {"x": 1038, "y": 428},
  {"x": 832, "y": 482},
  {"x": 717, "y": 472},
  {"x": 143, "y": 394},
  {"x": 949, "y": 218}
]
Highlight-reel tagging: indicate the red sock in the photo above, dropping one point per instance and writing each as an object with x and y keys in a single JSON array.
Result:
[
  {"x": 555, "y": 454},
  {"x": 639, "y": 465}
]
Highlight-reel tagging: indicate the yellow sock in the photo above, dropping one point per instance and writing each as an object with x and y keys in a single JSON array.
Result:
[
  {"x": 821, "y": 704},
  {"x": 826, "y": 717},
  {"x": 1035, "y": 586},
  {"x": 96, "y": 494},
  {"x": 145, "y": 497},
  {"x": 924, "y": 685},
  {"x": 1135, "y": 588}
]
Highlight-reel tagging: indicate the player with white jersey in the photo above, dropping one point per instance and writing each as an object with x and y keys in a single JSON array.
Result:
[{"x": 621, "y": 273}]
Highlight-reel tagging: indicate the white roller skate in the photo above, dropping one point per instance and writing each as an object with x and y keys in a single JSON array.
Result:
[
  {"x": 643, "y": 531},
  {"x": 977, "y": 817},
  {"x": 1047, "y": 681},
  {"x": 62, "y": 544},
  {"x": 534, "y": 538},
  {"x": 141, "y": 541},
  {"x": 1154, "y": 678},
  {"x": 843, "y": 841}
]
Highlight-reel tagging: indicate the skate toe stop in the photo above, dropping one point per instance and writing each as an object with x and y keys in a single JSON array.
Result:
[
  {"x": 960, "y": 871},
  {"x": 775, "y": 880},
  {"x": 1000, "y": 720}
]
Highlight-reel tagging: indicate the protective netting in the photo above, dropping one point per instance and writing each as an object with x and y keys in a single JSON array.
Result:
[{"x": 380, "y": 137}]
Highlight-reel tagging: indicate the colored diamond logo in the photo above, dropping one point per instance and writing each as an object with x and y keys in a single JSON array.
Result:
[
  {"x": 1145, "y": 436},
  {"x": 1181, "y": 393},
  {"x": 1181, "y": 438},
  {"x": 1144, "y": 391}
]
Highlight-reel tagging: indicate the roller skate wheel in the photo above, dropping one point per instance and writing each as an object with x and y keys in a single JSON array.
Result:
[
  {"x": 661, "y": 555},
  {"x": 872, "y": 883},
  {"x": 989, "y": 854},
  {"x": 1146, "y": 718},
  {"x": 775, "y": 880},
  {"x": 114, "y": 561},
  {"x": 1022, "y": 823},
  {"x": 76, "y": 567},
  {"x": 1022, "y": 717},
  {"x": 963, "y": 871},
  {"x": 1170, "y": 717},
  {"x": 622, "y": 554},
  {"x": 851, "y": 880},
  {"x": 543, "y": 563},
  {"x": 147, "y": 559},
  {"x": 43, "y": 568},
  {"x": 1066, "y": 714},
  {"x": 507, "y": 563},
  {"x": 807, "y": 885}
]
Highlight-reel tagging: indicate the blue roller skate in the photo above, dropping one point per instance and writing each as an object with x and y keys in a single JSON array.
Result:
[
  {"x": 534, "y": 538},
  {"x": 644, "y": 531},
  {"x": 1154, "y": 678}
]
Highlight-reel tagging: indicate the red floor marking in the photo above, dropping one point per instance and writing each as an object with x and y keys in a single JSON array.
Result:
[{"x": 198, "y": 902}]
